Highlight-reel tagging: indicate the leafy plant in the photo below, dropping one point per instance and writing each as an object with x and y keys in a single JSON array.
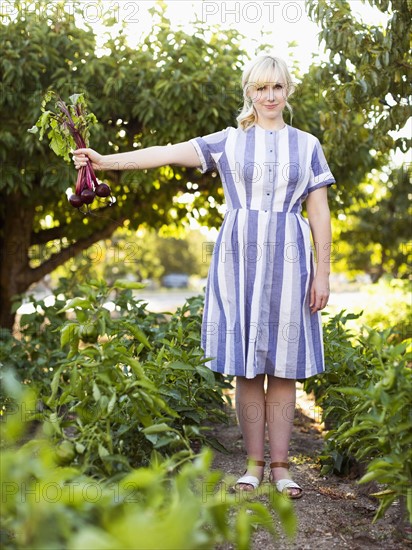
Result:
[
  {"x": 376, "y": 426},
  {"x": 342, "y": 359},
  {"x": 33, "y": 349},
  {"x": 164, "y": 505},
  {"x": 366, "y": 397},
  {"x": 114, "y": 386}
]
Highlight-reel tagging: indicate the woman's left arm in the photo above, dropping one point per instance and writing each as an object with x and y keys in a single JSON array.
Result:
[{"x": 319, "y": 220}]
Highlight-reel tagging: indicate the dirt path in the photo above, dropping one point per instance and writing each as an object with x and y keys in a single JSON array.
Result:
[{"x": 333, "y": 512}]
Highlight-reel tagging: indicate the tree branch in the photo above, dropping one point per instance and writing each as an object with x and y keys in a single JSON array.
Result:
[
  {"x": 67, "y": 253},
  {"x": 46, "y": 235},
  {"x": 53, "y": 233}
]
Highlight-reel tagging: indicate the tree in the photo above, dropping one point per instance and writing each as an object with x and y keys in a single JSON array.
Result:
[
  {"x": 367, "y": 74},
  {"x": 138, "y": 95},
  {"x": 375, "y": 229},
  {"x": 161, "y": 93},
  {"x": 365, "y": 87}
]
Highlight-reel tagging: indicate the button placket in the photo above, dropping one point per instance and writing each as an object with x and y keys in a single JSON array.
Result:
[{"x": 269, "y": 186}]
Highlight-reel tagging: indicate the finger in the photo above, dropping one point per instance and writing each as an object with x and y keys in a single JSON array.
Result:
[
  {"x": 78, "y": 163},
  {"x": 312, "y": 297},
  {"x": 323, "y": 303},
  {"x": 79, "y": 156}
]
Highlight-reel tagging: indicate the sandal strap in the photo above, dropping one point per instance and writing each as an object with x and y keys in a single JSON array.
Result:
[
  {"x": 252, "y": 462},
  {"x": 279, "y": 464},
  {"x": 248, "y": 480},
  {"x": 283, "y": 484}
]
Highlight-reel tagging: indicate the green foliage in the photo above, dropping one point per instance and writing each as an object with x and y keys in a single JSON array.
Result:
[
  {"x": 137, "y": 94},
  {"x": 116, "y": 386},
  {"x": 34, "y": 349},
  {"x": 366, "y": 399},
  {"x": 389, "y": 306},
  {"x": 49, "y": 501},
  {"x": 57, "y": 123},
  {"x": 367, "y": 66},
  {"x": 164, "y": 505},
  {"x": 373, "y": 235},
  {"x": 364, "y": 108},
  {"x": 342, "y": 360}
]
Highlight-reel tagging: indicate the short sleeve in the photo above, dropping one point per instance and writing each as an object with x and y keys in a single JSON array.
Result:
[
  {"x": 320, "y": 174},
  {"x": 210, "y": 148}
]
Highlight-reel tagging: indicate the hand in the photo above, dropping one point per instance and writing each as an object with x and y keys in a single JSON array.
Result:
[
  {"x": 81, "y": 156},
  {"x": 319, "y": 293}
]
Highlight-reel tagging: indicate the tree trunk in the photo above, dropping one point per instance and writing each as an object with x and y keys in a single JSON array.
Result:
[
  {"x": 17, "y": 218},
  {"x": 16, "y": 238}
]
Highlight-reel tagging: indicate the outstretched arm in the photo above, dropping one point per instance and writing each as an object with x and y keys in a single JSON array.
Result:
[
  {"x": 181, "y": 154},
  {"x": 319, "y": 221}
]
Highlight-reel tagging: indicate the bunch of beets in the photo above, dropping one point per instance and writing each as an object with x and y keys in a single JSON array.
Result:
[
  {"x": 68, "y": 127},
  {"x": 87, "y": 192},
  {"x": 87, "y": 185}
]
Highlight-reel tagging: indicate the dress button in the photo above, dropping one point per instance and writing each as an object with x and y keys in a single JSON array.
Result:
[{"x": 267, "y": 193}]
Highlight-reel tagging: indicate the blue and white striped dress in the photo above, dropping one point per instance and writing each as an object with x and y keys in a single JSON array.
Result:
[{"x": 257, "y": 318}]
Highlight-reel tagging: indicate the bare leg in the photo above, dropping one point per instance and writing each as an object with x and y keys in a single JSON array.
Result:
[
  {"x": 250, "y": 408},
  {"x": 280, "y": 411}
]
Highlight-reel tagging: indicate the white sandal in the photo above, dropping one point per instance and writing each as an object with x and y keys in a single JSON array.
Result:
[
  {"x": 250, "y": 480},
  {"x": 283, "y": 485}
]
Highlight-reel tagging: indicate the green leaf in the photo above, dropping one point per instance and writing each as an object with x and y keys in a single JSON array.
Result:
[
  {"x": 138, "y": 334},
  {"x": 103, "y": 452},
  {"x": 243, "y": 530},
  {"x": 157, "y": 428},
  {"x": 80, "y": 448},
  {"x": 112, "y": 403},
  {"x": 76, "y": 302},
  {"x": 135, "y": 365},
  {"x": 67, "y": 333},
  {"x": 55, "y": 384},
  {"x": 207, "y": 374},
  {"x": 76, "y": 98},
  {"x": 54, "y": 423},
  {"x": 59, "y": 145},
  {"x": 373, "y": 475},
  {"x": 126, "y": 284},
  {"x": 383, "y": 494},
  {"x": 96, "y": 392},
  {"x": 179, "y": 365},
  {"x": 141, "y": 478}
]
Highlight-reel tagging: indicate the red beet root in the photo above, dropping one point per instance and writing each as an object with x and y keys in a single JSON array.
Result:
[
  {"x": 87, "y": 196},
  {"x": 76, "y": 201},
  {"x": 103, "y": 190}
]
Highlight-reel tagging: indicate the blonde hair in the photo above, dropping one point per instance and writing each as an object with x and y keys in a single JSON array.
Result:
[{"x": 261, "y": 70}]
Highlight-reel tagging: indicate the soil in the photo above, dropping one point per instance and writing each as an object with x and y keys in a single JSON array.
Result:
[{"x": 334, "y": 512}]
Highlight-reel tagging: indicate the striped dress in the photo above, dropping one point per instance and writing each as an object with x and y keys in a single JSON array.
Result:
[{"x": 257, "y": 318}]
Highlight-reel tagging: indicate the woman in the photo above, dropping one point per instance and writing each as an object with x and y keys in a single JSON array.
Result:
[{"x": 263, "y": 295}]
